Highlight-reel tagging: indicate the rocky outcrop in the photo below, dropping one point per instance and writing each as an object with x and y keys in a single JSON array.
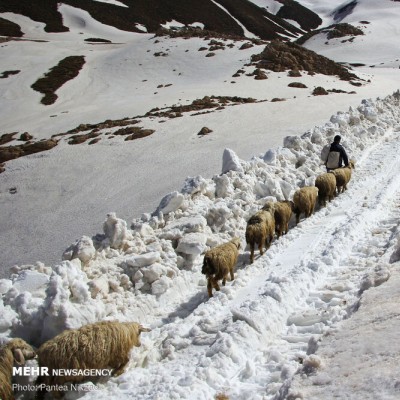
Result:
[
  {"x": 279, "y": 57},
  {"x": 294, "y": 11},
  {"x": 333, "y": 31}
]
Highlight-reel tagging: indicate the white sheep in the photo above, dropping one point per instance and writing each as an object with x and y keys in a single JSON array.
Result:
[
  {"x": 326, "y": 184},
  {"x": 219, "y": 262},
  {"x": 15, "y": 351},
  {"x": 304, "y": 201},
  {"x": 282, "y": 215},
  {"x": 101, "y": 345},
  {"x": 343, "y": 176},
  {"x": 261, "y": 229}
]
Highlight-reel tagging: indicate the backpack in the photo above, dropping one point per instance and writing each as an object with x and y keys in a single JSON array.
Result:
[
  {"x": 333, "y": 160},
  {"x": 325, "y": 153}
]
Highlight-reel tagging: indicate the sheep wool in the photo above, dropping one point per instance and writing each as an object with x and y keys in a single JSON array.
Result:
[
  {"x": 261, "y": 229},
  {"x": 326, "y": 184},
  {"x": 219, "y": 262},
  {"x": 304, "y": 201},
  {"x": 101, "y": 345},
  {"x": 283, "y": 213},
  {"x": 343, "y": 176}
]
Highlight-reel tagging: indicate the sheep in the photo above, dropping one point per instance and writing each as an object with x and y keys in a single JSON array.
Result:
[
  {"x": 304, "y": 201},
  {"x": 100, "y": 345},
  {"x": 18, "y": 351},
  {"x": 283, "y": 213},
  {"x": 219, "y": 262},
  {"x": 343, "y": 176},
  {"x": 326, "y": 184},
  {"x": 261, "y": 229}
]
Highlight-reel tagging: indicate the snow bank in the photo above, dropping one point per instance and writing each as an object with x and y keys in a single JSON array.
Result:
[{"x": 135, "y": 273}]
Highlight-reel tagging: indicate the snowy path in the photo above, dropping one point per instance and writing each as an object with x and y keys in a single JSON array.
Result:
[{"x": 258, "y": 327}]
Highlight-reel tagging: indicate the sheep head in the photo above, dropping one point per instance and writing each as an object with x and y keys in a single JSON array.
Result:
[
  {"x": 236, "y": 242},
  {"x": 208, "y": 268}
]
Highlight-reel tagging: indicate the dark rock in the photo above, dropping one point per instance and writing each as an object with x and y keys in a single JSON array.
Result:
[
  {"x": 245, "y": 46},
  {"x": 297, "y": 85},
  {"x": 204, "y": 131},
  {"x": 319, "y": 91},
  {"x": 25, "y": 137}
]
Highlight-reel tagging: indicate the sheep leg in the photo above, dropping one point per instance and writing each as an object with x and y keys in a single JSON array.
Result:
[
  {"x": 260, "y": 247},
  {"x": 268, "y": 241},
  {"x": 118, "y": 371},
  {"x": 209, "y": 287},
  {"x": 232, "y": 275},
  {"x": 297, "y": 218},
  {"x": 215, "y": 284},
  {"x": 252, "y": 253}
]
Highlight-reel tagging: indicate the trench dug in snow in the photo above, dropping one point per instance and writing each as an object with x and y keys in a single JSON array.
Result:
[{"x": 249, "y": 340}]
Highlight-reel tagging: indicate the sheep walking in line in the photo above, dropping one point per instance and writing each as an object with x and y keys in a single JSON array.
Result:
[
  {"x": 15, "y": 351},
  {"x": 343, "y": 176},
  {"x": 101, "y": 345},
  {"x": 283, "y": 213},
  {"x": 261, "y": 229},
  {"x": 326, "y": 184},
  {"x": 304, "y": 201},
  {"x": 219, "y": 262}
]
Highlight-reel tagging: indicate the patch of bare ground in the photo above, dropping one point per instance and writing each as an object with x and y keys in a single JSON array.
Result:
[
  {"x": 6, "y": 74},
  {"x": 279, "y": 57},
  {"x": 292, "y": 10},
  {"x": 188, "y": 32},
  {"x": 67, "y": 69},
  {"x": 7, "y": 137},
  {"x": 204, "y": 104},
  {"x": 12, "y": 152},
  {"x": 320, "y": 91},
  {"x": 8, "y": 28},
  {"x": 97, "y": 40},
  {"x": 333, "y": 31}
]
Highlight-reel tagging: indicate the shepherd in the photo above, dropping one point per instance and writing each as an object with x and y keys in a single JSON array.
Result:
[{"x": 337, "y": 155}]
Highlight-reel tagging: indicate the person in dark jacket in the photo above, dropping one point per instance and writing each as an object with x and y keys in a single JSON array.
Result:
[{"x": 337, "y": 155}]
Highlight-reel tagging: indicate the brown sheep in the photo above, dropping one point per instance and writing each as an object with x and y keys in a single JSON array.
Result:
[
  {"x": 219, "y": 262},
  {"x": 304, "y": 201},
  {"x": 101, "y": 345},
  {"x": 261, "y": 229},
  {"x": 283, "y": 213},
  {"x": 343, "y": 176},
  {"x": 326, "y": 184},
  {"x": 16, "y": 350}
]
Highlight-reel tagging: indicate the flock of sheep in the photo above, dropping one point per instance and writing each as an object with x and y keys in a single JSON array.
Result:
[
  {"x": 107, "y": 344},
  {"x": 273, "y": 219}
]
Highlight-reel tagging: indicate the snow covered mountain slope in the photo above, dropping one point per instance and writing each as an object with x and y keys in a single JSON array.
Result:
[
  {"x": 376, "y": 48},
  {"x": 229, "y": 17},
  {"x": 123, "y": 79}
]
